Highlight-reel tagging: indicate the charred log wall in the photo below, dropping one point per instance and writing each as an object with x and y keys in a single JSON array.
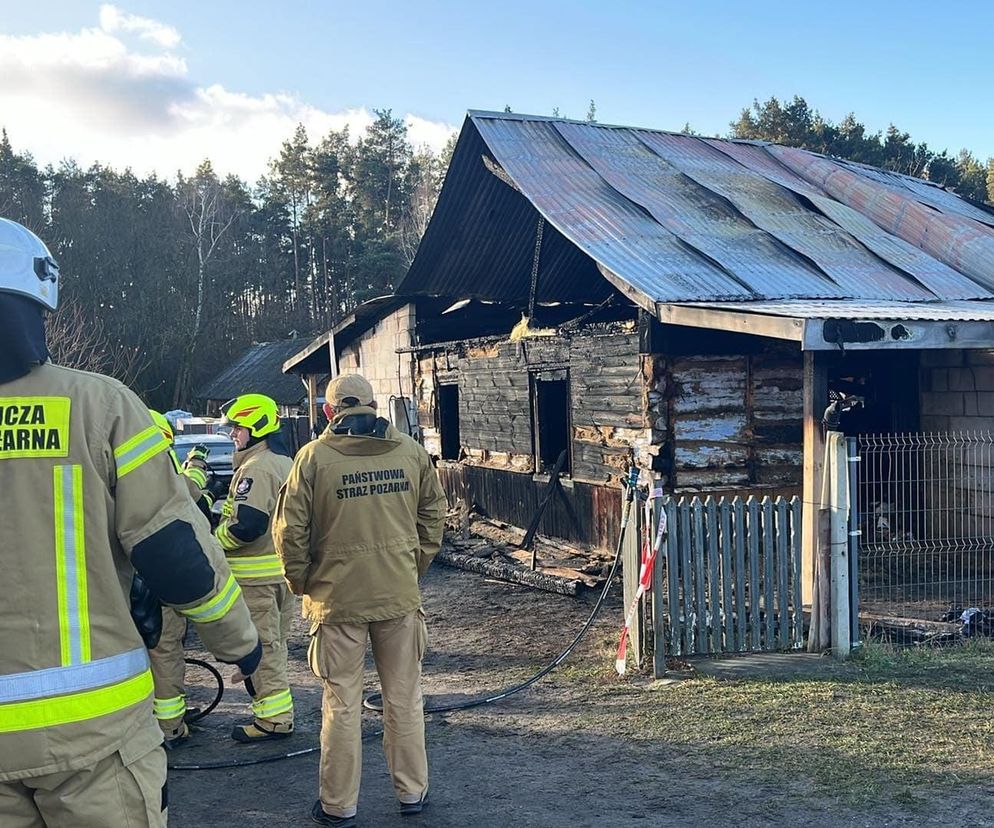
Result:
[
  {"x": 581, "y": 513},
  {"x": 607, "y": 399},
  {"x": 729, "y": 421}
]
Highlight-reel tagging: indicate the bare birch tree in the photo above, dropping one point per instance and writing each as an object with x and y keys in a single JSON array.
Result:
[{"x": 209, "y": 215}]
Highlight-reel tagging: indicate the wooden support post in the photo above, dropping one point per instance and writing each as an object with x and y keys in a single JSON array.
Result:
[
  {"x": 550, "y": 490},
  {"x": 815, "y": 403},
  {"x": 631, "y": 564},
  {"x": 312, "y": 401}
]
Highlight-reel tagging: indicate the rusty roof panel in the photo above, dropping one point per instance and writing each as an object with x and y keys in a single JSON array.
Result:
[
  {"x": 597, "y": 218},
  {"x": 937, "y": 277},
  {"x": 923, "y": 191},
  {"x": 961, "y": 243},
  {"x": 702, "y": 219},
  {"x": 777, "y": 210}
]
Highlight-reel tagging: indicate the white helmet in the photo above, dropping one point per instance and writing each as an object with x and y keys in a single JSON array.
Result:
[{"x": 26, "y": 266}]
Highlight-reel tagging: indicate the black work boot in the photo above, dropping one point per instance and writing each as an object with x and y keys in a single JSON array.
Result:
[
  {"x": 411, "y": 808},
  {"x": 256, "y": 731},
  {"x": 319, "y": 816}
]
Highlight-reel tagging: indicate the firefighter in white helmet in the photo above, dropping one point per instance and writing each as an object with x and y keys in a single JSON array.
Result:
[
  {"x": 261, "y": 464},
  {"x": 89, "y": 499}
]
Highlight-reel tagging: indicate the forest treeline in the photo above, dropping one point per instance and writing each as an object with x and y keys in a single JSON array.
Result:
[{"x": 168, "y": 279}]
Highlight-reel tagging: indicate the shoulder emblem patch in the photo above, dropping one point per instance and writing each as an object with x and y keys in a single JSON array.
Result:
[{"x": 243, "y": 486}]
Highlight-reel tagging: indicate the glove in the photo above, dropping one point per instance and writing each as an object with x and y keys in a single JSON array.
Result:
[
  {"x": 197, "y": 458},
  {"x": 199, "y": 453},
  {"x": 146, "y": 612},
  {"x": 248, "y": 664}
]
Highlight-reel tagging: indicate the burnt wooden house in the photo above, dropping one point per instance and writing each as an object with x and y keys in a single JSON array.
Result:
[{"x": 593, "y": 296}]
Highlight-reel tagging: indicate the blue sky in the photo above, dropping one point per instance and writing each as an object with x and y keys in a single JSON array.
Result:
[{"x": 227, "y": 78}]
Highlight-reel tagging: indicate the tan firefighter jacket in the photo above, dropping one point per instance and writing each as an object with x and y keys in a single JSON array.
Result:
[
  {"x": 89, "y": 496},
  {"x": 244, "y": 531},
  {"x": 194, "y": 474},
  {"x": 360, "y": 518}
]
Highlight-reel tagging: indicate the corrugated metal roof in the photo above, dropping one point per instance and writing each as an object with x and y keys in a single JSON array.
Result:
[
  {"x": 259, "y": 370},
  {"x": 964, "y": 311},
  {"x": 676, "y": 218}
]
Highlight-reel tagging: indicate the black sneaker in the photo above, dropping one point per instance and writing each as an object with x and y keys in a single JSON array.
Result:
[
  {"x": 411, "y": 808},
  {"x": 321, "y": 818}
]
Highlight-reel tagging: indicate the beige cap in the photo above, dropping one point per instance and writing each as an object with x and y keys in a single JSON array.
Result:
[{"x": 349, "y": 389}]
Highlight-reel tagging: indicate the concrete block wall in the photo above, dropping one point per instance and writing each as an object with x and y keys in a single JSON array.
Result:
[
  {"x": 957, "y": 390},
  {"x": 374, "y": 355}
]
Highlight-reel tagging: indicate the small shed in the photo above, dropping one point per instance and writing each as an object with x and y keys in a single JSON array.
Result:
[{"x": 259, "y": 370}]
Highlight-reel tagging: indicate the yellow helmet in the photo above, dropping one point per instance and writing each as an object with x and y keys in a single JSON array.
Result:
[
  {"x": 256, "y": 412},
  {"x": 163, "y": 425}
]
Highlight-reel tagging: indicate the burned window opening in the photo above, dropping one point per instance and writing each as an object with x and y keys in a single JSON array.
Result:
[
  {"x": 551, "y": 421},
  {"x": 448, "y": 420}
]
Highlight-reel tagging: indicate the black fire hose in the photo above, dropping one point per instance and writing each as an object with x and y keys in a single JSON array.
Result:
[
  {"x": 374, "y": 700},
  {"x": 210, "y": 668}
]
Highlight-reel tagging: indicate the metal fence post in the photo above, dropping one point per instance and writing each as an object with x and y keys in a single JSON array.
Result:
[
  {"x": 837, "y": 490},
  {"x": 854, "y": 469}
]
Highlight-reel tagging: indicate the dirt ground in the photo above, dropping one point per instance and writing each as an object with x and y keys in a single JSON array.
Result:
[{"x": 558, "y": 754}]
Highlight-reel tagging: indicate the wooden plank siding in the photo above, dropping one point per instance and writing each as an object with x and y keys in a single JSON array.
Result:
[
  {"x": 729, "y": 423},
  {"x": 732, "y": 422}
]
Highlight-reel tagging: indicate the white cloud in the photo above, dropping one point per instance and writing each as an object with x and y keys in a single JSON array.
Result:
[
  {"x": 422, "y": 132},
  {"x": 91, "y": 96},
  {"x": 112, "y": 19}
]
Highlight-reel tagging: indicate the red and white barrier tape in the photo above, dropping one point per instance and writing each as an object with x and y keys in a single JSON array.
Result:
[{"x": 650, "y": 548}]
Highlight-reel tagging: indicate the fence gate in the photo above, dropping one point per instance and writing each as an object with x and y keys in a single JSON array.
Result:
[
  {"x": 926, "y": 525},
  {"x": 730, "y": 578}
]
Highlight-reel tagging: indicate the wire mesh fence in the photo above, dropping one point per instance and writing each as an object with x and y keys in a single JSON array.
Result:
[{"x": 926, "y": 522}]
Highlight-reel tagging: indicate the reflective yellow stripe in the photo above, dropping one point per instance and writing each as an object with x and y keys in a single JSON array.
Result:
[
  {"x": 76, "y": 707},
  {"x": 216, "y": 607},
  {"x": 140, "y": 448},
  {"x": 81, "y": 593},
  {"x": 273, "y": 705},
  {"x": 176, "y": 464},
  {"x": 226, "y": 539},
  {"x": 197, "y": 475},
  {"x": 70, "y": 566},
  {"x": 60, "y": 568},
  {"x": 169, "y": 708},
  {"x": 255, "y": 566}
]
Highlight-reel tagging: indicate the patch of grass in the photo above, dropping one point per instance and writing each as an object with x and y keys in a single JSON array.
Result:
[{"x": 890, "y": 725}]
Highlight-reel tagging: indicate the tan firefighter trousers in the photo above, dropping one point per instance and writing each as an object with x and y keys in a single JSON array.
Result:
[
  {"x": 336, "y": 655},
  {"x": 272, "y": 607},
  {"x": 112, "y": 794},
  {"x": 169, "y": 670}
]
